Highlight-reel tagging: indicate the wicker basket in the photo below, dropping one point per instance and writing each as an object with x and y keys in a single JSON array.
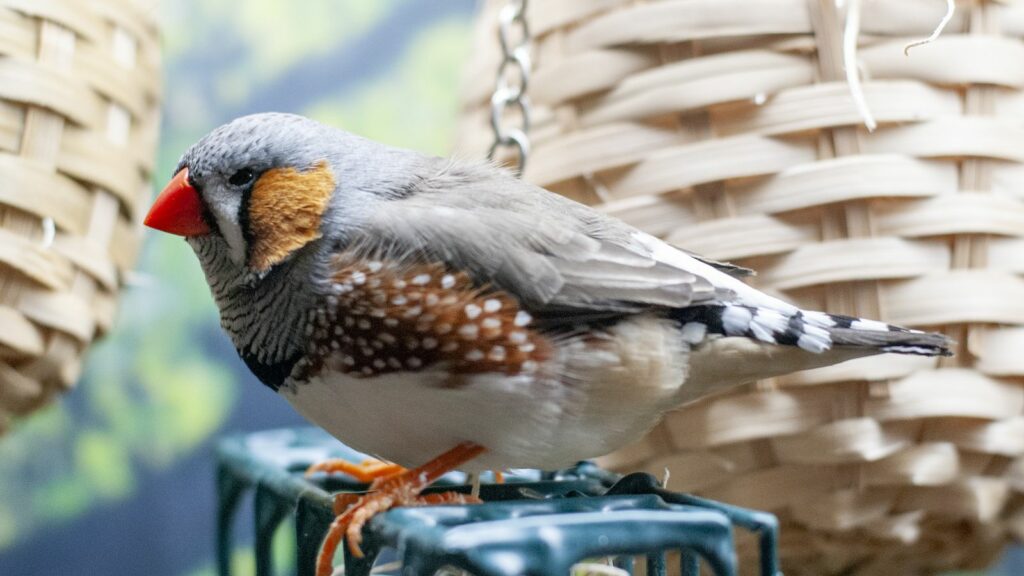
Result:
[
  {"x": 79, "y": 83},
  {"x": 727, "y": 127}
]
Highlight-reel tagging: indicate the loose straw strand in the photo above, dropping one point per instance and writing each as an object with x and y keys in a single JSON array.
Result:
[
  {"x": 950, "y": 10},
  {"x": 851, "y": 33}
]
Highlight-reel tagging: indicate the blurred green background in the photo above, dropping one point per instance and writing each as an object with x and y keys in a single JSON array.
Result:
[{"x": 117, "y": 478}]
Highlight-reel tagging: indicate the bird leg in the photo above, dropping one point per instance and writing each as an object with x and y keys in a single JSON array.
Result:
[
  {"x": 366, "y": 471},
  {"x": 403, "y": 489}
]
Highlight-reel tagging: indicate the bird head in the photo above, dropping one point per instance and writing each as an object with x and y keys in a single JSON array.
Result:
[{"x": 263, "y": 187}]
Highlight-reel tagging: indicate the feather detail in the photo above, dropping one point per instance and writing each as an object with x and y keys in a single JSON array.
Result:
[
  {"x": 542, "y": 248},
  {"x": 283, "y": 211},
  {"x": 386, "y": 316},
  {"x": 815, "y": 332}
]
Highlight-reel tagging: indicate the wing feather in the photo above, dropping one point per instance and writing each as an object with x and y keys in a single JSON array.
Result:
[{"x": 548, "y": 251}]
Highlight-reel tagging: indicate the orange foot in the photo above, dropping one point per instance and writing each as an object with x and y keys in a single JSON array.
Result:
[
  {"x": 402, "y": 489},
  {"x": 366, "y": 471}
]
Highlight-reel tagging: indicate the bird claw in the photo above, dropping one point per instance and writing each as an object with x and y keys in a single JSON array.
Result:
[
  {"x": 366, "y": 471},
  {"x": 402, "y": 489},
  {"x": 359, "y": 509},
  {"x": 373, "y": 504}
]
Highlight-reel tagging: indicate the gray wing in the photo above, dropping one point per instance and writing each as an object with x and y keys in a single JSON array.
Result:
[
  {"x": 726, "y": 267},
  {"x": 551, "y": 253}
]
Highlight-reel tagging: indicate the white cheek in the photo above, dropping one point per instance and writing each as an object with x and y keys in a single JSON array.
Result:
[{"x": 225, "y": 210}]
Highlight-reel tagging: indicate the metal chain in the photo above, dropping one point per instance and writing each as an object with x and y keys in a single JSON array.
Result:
[{"x": 511, "y": 83}]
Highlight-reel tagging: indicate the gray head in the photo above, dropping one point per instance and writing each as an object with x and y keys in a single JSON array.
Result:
[
  {"x": 263, "y": 200},
  {"x": 263, "y": 187}
]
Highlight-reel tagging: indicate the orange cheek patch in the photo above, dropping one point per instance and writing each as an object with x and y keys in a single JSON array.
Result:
[{"x": 285, "y": 209}]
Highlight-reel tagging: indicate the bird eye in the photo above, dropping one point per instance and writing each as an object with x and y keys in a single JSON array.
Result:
[{"x": 242, "y": 177}]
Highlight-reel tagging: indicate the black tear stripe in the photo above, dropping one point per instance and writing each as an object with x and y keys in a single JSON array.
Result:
[{"x": 243, "y": 216}]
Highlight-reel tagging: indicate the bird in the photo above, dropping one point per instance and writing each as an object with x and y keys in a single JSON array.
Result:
[{"x": 442, "y": 314}]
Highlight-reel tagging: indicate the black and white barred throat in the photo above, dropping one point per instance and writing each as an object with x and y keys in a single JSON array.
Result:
[{"x": 265, "y": 316}]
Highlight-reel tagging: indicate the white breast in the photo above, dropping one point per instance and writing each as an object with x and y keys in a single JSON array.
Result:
[
  {"x": 410, "y": 418},
  {"x": 603, "y": 395}
]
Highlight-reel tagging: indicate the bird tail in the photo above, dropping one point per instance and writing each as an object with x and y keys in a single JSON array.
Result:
[
  {"x": 718, "y": 362},
  {"x": 815, "y": 332}
]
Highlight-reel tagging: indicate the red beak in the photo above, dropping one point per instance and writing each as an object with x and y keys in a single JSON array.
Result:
[{"x": 178, "y": 209}]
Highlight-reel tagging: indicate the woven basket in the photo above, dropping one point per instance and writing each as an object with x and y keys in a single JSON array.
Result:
[
  {"x": 728, "y": 128},
  {"x": 79, "y": 84}
]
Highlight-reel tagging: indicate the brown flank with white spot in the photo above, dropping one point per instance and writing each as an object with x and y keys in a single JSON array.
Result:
[
  {"x": 386, "y": 318},
  {"x": 285, "y": 209}
]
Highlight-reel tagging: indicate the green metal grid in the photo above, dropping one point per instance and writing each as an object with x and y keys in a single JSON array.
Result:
[{"x": 532, "y": 525}]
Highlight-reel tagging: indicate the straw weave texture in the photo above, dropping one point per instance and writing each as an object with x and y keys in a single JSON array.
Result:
[
  {"x": 79, "y": 85},
  {"x": 727, "y": 127}
]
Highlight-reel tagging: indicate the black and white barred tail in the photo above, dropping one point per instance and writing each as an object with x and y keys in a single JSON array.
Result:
[{"x": 812, "y": 331}]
